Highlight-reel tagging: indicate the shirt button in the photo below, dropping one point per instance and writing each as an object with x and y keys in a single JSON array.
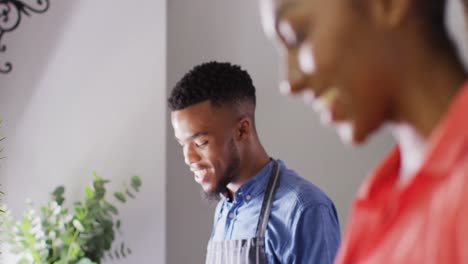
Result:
[
  {"x": 231, "y": 215},
  {"x": 248, "y": 197}
]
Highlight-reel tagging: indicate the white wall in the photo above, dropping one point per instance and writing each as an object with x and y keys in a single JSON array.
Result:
[
  {"x": 227, "y": 30},
  {"x": 87, "y": 92}
]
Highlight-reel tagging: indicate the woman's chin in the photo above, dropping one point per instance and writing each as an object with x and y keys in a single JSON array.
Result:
[
  {"x": 349, "y": 135},
  {"x": 345, "y": 132}
]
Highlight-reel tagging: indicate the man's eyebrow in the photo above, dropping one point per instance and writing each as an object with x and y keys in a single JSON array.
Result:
[
  {"x": 198, "y": 134},
  {"x": 194, "y": 136}
]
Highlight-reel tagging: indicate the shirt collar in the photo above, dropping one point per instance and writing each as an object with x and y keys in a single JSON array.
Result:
[
  {"x": 449, "y": 140},
  {"x": 255, "y": 185},
  {"x": 445, "y": 145}
]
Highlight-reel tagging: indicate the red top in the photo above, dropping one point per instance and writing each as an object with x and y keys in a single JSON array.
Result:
[{"x": 424, "y": 221}]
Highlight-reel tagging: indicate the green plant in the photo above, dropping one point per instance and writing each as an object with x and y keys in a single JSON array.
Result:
[{"x": 82, "y": 236}]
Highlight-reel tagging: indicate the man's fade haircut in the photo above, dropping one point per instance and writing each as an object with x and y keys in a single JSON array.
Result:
[{"x": 218, "y": 82}]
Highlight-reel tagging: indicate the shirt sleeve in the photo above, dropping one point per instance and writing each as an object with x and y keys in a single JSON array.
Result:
[
  {"x": 460, "y": 230},
  {"x": 315, "y": 236}
]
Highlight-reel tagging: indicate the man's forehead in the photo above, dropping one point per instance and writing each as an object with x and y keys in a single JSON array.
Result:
[{"x": 202, "y": 114}]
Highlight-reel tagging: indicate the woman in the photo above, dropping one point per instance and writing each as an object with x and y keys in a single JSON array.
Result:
[{"x": 368, "y": 63}]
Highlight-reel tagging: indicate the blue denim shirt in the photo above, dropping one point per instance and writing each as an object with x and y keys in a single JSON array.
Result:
[{"x": 303, "y": 225}]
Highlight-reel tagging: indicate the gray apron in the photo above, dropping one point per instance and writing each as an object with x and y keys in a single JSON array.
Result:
[{"x": 247, "y": 251}]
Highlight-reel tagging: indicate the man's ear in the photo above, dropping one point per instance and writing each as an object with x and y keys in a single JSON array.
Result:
[
  {"x": 389, "y": 13},
  {"x": 244, "y": 128}
]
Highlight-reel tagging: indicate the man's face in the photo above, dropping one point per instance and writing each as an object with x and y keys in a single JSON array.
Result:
[
  {"x": 206, "y": 135},
  {"x": 336, "y": 58}
]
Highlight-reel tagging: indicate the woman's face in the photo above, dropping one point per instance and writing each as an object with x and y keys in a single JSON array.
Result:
[{"x": 335, "y": 54}]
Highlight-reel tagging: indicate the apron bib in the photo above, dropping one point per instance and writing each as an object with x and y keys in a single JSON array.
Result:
[{"x": 247, "y": 251}]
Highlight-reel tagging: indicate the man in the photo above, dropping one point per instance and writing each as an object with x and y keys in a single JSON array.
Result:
[
  {"x": 267, "y": 213},
  {"x": 368, "y": 63}
]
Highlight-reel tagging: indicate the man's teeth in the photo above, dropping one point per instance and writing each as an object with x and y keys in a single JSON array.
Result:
[
  {"x": 199, "y": 173},
  {"x": 324, "y": 102}
]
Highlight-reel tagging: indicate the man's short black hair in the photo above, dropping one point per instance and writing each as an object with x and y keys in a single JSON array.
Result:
[{"x": 220, "y": 83}]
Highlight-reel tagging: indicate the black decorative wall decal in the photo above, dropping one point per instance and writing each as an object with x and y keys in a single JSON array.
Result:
[{"x": 10, "y": 18}]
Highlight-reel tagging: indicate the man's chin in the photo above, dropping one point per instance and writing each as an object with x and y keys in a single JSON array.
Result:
[{"x": 211, "y": 196}]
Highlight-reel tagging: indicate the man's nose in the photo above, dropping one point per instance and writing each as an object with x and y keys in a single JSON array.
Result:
[{"x": 190, "y": 155}]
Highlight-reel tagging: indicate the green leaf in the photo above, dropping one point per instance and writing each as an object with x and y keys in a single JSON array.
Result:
[
  {"x": 89, "y": 193},
  {"x": 25, "y": 225},
  {"x": 99, "y": 188},
  {"x": 80, "y": 213},
  {"x": 59, "y": 191},
  {"x": 100, "y": 192},
  {"x": 113, "y": 209},
  {"x": 120, "y": 197},
  {"x": 136, "y": 183},
  {"x": 57, "y": 195},
  {"x": 110, "y": 207},
  {"x": 96, "y": 177}
]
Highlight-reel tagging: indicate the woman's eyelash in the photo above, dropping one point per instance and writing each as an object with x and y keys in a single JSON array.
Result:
[
  {"x": 291, "y": 36},
  {"x": 201, "y": 144}
]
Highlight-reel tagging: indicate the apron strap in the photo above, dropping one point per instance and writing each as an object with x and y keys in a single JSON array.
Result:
[
  {"x": 268, "y": 201},
  {"x": 215, "y": 222}
]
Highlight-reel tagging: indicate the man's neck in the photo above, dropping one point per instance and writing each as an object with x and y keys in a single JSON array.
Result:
[{"x": 251, "y": 164}]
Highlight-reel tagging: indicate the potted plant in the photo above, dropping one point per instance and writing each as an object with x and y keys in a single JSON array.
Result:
[{"x": 83, "y": 235}]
